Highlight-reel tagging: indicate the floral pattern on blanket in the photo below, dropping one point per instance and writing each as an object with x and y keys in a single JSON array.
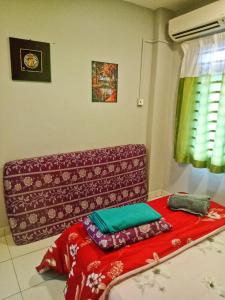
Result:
[
  {"x": 208, "y": 282},
  {"x": 216, "y": 245},
  {"x": 212, "y": 243},
  {"x": 213, "y": 285},
  {"x": 152, "y": 279},
  {"x": 214, "y": 214},
  {"x": 126, "y": 236}
]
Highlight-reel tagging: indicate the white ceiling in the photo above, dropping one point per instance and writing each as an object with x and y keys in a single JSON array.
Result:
[{"x": 177, "y": 6}]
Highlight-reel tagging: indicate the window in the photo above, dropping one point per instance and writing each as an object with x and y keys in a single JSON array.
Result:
[{"x": 200, "y": 119}]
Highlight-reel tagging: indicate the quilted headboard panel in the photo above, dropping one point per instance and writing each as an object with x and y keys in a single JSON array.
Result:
[{"x": 44, "y": 195}]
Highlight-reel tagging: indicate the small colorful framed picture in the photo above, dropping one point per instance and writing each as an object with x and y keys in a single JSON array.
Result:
[
  {"x": 30, "y": 60},
  {"x": 104, "y": 82}
]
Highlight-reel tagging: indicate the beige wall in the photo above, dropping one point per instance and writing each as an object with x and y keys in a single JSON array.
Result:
[
  {"x": 45, "y": 118},
  {"x": 160, "y": 98}
]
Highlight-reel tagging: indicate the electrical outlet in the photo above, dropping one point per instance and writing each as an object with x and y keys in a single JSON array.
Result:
[{"x": 140, "y": 102}]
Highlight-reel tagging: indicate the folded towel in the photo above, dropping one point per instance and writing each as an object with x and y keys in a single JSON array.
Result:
[
  {"x": 127, "y": 236},
  {"x": 195, "y": 204},
  {"x": 117, "y": 219}
]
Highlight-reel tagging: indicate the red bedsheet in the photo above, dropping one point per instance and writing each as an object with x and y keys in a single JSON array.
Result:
[{"x": 90, "y": 270}]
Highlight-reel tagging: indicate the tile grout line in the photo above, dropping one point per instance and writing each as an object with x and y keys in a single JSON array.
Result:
[
  {"x": 5, "y": 242},
  {"x": 16, "y": 275},
  {"x": 5, "y": 298},
  {"x": 12, "y": 258},
  {"x": 21, "y": 255},
  {"x": 5, "y": 260},
  {"x": 20, "y": 290},
  {"x": 22, "y": 295},
  {"x": 37, "y": 284},
  {"x": 13, "y": 269}
]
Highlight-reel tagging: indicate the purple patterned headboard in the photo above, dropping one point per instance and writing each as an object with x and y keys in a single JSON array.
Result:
[{"x": 44, "y": 195}]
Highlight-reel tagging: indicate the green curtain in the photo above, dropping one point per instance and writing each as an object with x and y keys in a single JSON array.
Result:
[{"x": 200, "y": 122}]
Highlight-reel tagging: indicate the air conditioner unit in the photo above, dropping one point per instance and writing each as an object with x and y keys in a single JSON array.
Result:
[{"x": 202, "y": 21}]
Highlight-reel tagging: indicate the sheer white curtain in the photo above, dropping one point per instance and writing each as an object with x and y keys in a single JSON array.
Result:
[{"x": 204, "y": 56}]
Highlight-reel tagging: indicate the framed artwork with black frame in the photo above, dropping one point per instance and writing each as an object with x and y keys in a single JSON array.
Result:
[{"x": 30, "y": 60}]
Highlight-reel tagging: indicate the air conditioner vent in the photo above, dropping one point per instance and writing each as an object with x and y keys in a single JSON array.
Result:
[
  {"x": 195, "y": 30},
  {"x": 202, "y": 21}
]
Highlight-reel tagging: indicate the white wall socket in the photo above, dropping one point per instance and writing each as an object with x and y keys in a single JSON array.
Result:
[{"x": 140, "y": 102}]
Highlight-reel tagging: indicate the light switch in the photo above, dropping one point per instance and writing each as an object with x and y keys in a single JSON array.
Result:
[{"x": 140, "y": 102}]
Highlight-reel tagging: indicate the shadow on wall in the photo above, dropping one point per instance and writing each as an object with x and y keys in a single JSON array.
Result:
[
  {"x": 196, "y": 178},
  {"x": 215, "y": 182},
  {"x": 178, "y": 174},
  {"x": 205, "y": 182}
]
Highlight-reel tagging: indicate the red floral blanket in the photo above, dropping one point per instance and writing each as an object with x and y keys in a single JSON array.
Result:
[{"x": 91, "y": 270}]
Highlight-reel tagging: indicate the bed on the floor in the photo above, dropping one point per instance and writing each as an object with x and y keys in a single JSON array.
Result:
[
  {"x": 49, "y": 194},
  {"x": 150, "y": 268}
]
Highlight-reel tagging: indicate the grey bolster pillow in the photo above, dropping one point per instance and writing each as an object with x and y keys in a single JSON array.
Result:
[{"x": 195, "y": 204}]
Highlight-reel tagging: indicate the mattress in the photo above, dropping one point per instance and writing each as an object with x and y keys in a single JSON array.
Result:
[
  {"x": 195, "y": 274},
  {"x": 46, "y": 194},
  {"x": 99, "y": 275}
]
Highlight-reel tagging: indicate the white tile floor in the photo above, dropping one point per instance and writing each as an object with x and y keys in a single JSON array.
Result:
[{"x": 18, "y": 277}]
